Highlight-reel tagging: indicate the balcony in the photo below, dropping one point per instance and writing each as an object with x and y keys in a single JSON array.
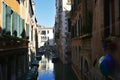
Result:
[{"x": 12, "y": 42}]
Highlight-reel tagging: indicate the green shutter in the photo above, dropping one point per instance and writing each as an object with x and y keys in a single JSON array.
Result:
[
  {"x": 23, "y": 28},
  {"x": 14, "y": 24},
  {"x": 4, "y": 17},
  {"x": 22, "y": 32},
  {"x": 18, "y": 25},
  {"x": 8, "y": 21}
]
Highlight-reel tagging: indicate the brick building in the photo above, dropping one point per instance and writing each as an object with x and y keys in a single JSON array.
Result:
[
  {"x": 106, "y": 27},
  {"x": 81, "y": 30}
]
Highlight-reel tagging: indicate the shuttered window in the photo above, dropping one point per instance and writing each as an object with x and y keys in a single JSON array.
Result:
[
  {"x": 8, "y": 20},
  {"x": 4, "y": 18},
  {"x": 18, "y": 25},
  {"x": 21, "y": 30},
  {"x": 14, "y": 24}
]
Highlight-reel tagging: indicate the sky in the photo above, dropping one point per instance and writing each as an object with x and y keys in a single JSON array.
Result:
[{"x": 45, "y": 12}]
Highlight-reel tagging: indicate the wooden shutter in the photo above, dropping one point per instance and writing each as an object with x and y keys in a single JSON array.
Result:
[
  {"x": 4, "y": 18},
  {"x": 14, "y": 23},
  {"x": 8, "y": 21},
  {"x": 18, "y": 25},
  {"x": 22, "y": 31}
]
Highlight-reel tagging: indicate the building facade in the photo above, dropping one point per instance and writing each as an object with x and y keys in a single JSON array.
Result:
[
  {"x": 63, "y": 8},
  {"x": 45, "y": 36},
  {"x": 81, "y": 25},
  {"x": 32, "y": 32},
  {"x": 95, "y": 39},
  {"x": 105, "y": 38},
  {"x": 94, "y": 43},
  {"x": 15, "y": 27}
]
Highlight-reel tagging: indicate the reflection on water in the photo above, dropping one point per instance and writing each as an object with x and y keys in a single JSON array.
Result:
[
  {"x": 48, "y": 75},
  {"x": 57, "y": 71},
  {"x": 45, "y": 64},
  {"x": 46, "y": 69}
]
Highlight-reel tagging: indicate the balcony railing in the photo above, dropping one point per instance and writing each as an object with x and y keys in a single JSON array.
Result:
[{"x": 10, "y": 42}]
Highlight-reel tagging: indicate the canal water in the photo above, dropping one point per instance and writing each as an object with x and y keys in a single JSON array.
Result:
[{"x": 54, "y": 71}]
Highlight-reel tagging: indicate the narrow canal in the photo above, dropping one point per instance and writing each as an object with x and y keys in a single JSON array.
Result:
[{"x": 54, "y": 71}]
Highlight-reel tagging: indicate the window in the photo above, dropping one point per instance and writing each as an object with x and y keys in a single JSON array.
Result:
[
  {"x": 15, "y": 24},
  {"x": 43, "y": 32},
  {"x": 43, "y": 38},
  {"x": 4, "y": 18},
  {"x": 22, "y": 31},
  {"x": 18, "y": 25},
  {"x": 8, "y": 20},
  {"x": 12, "y": 24},
  {"x": 109, "y": 28}
]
